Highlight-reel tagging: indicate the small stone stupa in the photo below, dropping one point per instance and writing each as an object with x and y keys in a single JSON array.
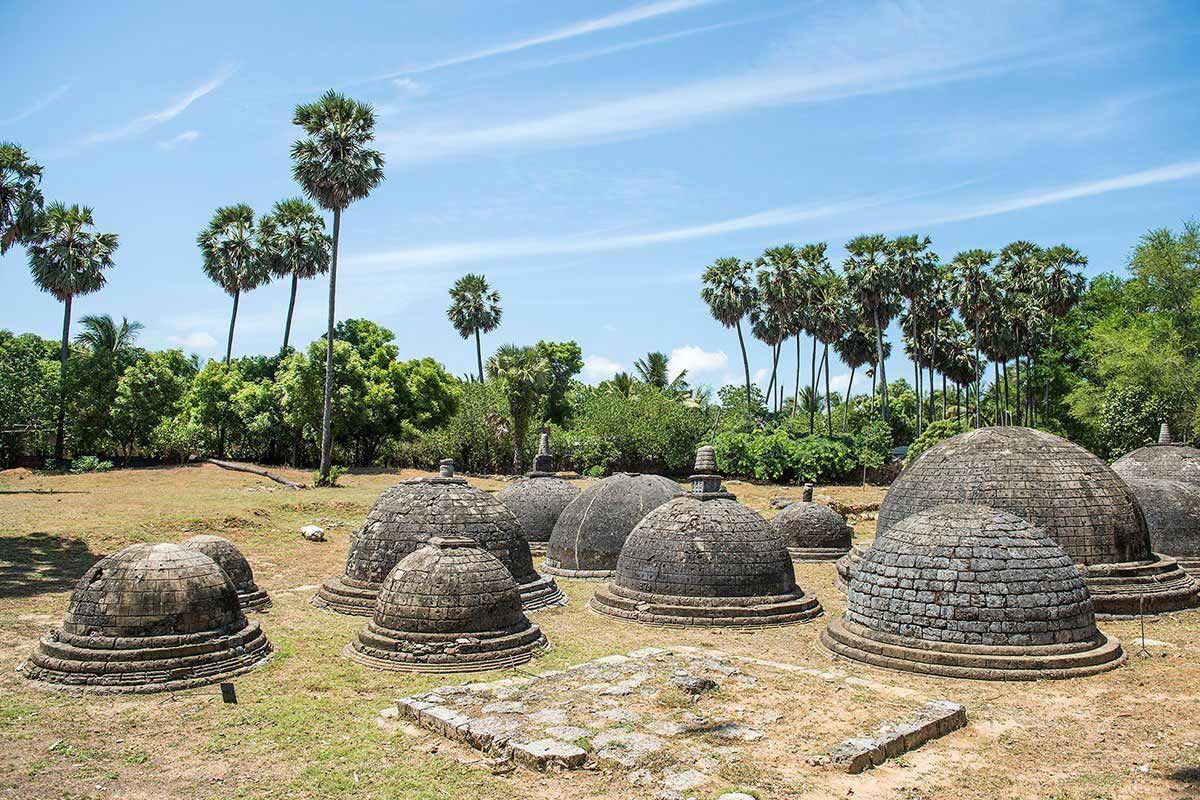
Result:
[
  {"x": 149, "y": 618},
  {"x": 230, "y": 559},
  {"x": 967, "y": 591},
  {"x": 1165, "y": 478},
  {"x": 704, "y": 559},
  {"x": 593, "y": 528},
  {"x": 411, "y": 513},
  {"x": 538, "y": 499},
  {"x": 813, "y": 531},
  {"x": 1058, "y": 486},
  {"x": 450, "y": 606}
]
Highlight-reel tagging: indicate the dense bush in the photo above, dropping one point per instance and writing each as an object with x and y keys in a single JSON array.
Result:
[
  {"x": 938, "y": 431},
  {"x": 778, "y": 456},
  {"x": 89, "y": 464}
]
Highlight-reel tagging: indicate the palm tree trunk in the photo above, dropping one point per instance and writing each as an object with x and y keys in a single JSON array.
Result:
[
  {"x": 996, "y": 393},
  {"x": 828, "y": 407},
  {"x": 232, "y": 321},
  {"x": 287, "y": 328},
  {"x": 1017, "y": 387},
  {"x": 771, "y": 393},
  {"x": 812, "y": 388},
  {"x": 916, "y": 367},
  {"x": 479, "y": 354},
  {"x": 846, "y": 405},
  {"x": 63, "y": 352},
  {"x": 976, "y": 370},
  {"x": 943, "y": 395},
  {"x": 1046, "y": 387},
  {"x": 796, "y": 388},
  {"x": 327, "y": 413},
  {"x": 1007, "y": 414},
  {"x": 883, "y": 408},
  {"x": 746, "y": 367}
]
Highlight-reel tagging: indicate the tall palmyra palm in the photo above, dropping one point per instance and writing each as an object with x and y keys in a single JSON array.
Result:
[
  {"x": 232, "y": 257},
  {"x": 975, "y": 294},
  {"x": 914, "y": 265},
  {"x": 20, "y": 196},
  {"x": 525, "y": 375},
  {"x": 1061, "y": 286},
  {"x": 856, "y": 348},
  {"x": 103, "y": 336},
  {"x": 335, "y": 166},
  {"x": 769, "y": 325},
  {"x": 295, "y": 245},
  {"x": 813, "y": 265},
  {"x": 872, "y": 283},
  {"x": 833, "y": 319},
  {"x": 730, "y": 294},
  {"x": 474, "y": 308},
  {"x": 781, "y": 296},
  {"x": 67, "y": 257},
  {"x": 1018, "y": 272}
]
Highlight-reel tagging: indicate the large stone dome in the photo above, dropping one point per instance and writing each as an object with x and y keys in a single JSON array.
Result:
[
  {"x": 151, "y": 617},
  {"x": 705, "y": 559},
  {"x": 1058, "y": 486},
  {"x": 408, "y": 515},
  {"x": 230, "y": 559},
  {"x": 450, "y": 606},
  {"x": 813, "y": 531},
  {"x": 971, "y": 592},
  {"x": 591, "y": 530},
  {"x": 1176, "y": 462},
  {"x": 1166, "y": 480},
  {"x": 538, "y": 499}
]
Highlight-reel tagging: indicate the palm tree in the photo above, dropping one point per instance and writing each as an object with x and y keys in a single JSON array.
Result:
[
  {"x": 655, "y": 370},
  {"x": 103, "y": 336},
  {"x": 781, "y": 296},
  {"x": 474, "y": 307},
  {"x": 295, "y": 245},
  {"x": 856, "y": 348},
  {"x": 232, "y": 258},
  {"x": 1018, "y": 272},
  {"x": 1061, "y": 286},
  {"x": 870, "y": 280},
  {"x": 813, "y": 264},
  {"x": 976, "y": 294},
  {"x": 621, "y": 385},
  {"x": 335, "y": 166},
  {"x": 832, "y": 318},
  {"x": 730, "y": 295},
  {"x": 768, "y": 325},
  {"x": 525, "y": 375},
  {"x": 68, "y": 257},
  {"x": 20, "y": 196},
  {"x": 913, "y": 264}
]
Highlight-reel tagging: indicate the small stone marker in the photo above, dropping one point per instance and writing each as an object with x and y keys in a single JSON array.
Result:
[
  {"x": 229, "y": 693},
  {"x": 931, "y": 721}
]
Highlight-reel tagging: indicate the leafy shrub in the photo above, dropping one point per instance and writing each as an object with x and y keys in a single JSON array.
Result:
[
  {"x": 778, "y": 456},
  {"x": 936, "y": 432},
  {"x": 648, "y": 431},
  {"x": 89, "y": 464},
  {"x": 335, "y": 472}
]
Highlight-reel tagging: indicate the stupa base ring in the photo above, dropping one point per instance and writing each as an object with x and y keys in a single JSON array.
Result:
[
  {"x": 552, "y": 567},
  {"x": 538, "y": 549},
  {"x": 979, "y": 662},
  {"x": 804, "y": 554},
  {"x": 337, "y": 595},
  {"x": 254, "y": 600},
  {"x": 690, "y": 612},
  {"x": 1127, "y": 589},
  {"x": 142, "y": 665},
  {"x": 440, "y": 655},
  {"x": 540, "y": 593}
]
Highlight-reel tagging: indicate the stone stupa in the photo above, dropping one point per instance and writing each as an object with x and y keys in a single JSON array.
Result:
[
  {"x": 449, "y": 606},
  {"x": 967, "y": 591},
  {"x": 538, "y": 499},
  {"x": 1055, "y": 485},
  {"x": 230, "y": 559},
  {"x": 704, "y": 559},
  {"x": 412, "y": 512},
  {"x": 149, "y": 618},
  {"x": 813, "y": 531}
]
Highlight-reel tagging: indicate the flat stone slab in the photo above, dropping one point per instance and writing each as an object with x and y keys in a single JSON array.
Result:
[{"x": 930, "y": 721}]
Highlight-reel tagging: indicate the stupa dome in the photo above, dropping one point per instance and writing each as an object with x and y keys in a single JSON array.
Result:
[
  {"x": 967, "y": 591},
  {"x": 149, "y": 618},
  {"x": 705, "y": 559},
  {"x": 1060, "y": 487},
  {"x": 230, "y": 559},
  {"x": 408, "y": 515},
  {"x": 450, "y": 606},
  {"x": 1176, "y": 462},
  {"x": 538, "y": 499},
  {"x": 591, "y": 530},
  {"x": 813, "y": 531}
]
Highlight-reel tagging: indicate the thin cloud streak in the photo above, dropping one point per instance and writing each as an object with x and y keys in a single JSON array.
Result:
[
  {"x": 617, "y": 19},
  {"x": 40, "y": 104}
]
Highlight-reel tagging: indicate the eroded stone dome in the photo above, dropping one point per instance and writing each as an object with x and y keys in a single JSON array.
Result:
[
  {"x": 1175, "y": 462},
  {"x": 230, "y": 559},
  {"x": 970, "y": 591},
  {"x": 537, "y": 502},
  {"x": 591, "y": 530},
  {"x": 813, "y": 531},
  {"x": 151, "y": 617}
]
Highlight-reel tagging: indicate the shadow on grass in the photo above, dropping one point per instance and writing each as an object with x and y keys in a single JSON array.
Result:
[
  {"x": 38, "y": 563},
  {"x": 42, "y": 491},
  {"x": 1188, "y": 775}
]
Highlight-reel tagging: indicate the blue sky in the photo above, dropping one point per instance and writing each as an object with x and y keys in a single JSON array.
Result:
[{"x": 592, "y": 158}]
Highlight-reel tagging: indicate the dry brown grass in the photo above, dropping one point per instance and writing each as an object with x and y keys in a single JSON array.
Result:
[{"x": 307, "y": 724}]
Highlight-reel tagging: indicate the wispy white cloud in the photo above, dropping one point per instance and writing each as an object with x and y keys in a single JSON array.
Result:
[
  {"x": 600, "y": 368},
  {"x": 153, "y": 119},
  {"x": 39, "y": 104},
  {"x": 618, "y": 19},
  {"x": 196, "y": 340},
  {"x": 187, "y": 137},
  {"x": 696, "y": 360}
]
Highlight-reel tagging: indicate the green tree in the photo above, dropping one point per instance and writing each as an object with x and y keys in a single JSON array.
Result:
[
  {"x": 914, "y": 265},
  {"x": 335, "y": 166},
  {"x": 474, "y": 308},
  {"x": 870, "y": 280},
  {"x": 20, "y": 197},
  {"x": 103, "y": 336},
  {"x": 856, "y": 348},
  {"x": 68, "y": 258},
  {"x": 149, "y": 391},
  {"x": 232, "y": 257},
  {"x": 211, "y": 403},
  {"x": 295, "y": 246},
  {"x": 524, "y": 373},
  {"x": 730, "y": 294},
  {"x": 781, "y": 295},
  {"x": 1061, "y": 286},
  {"x": 566, "y": 361}
]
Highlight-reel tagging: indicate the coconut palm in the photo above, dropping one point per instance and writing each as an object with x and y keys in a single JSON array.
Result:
[
  {"x": 67, "y": 257},
  {"x": 474, "y": 307},
  {"x": 730, "y": 295},
  {"x": 103, "y": 336},
  {"x": 20, "y": 196},
  {"x": 335, "y": 166},
  {"x": 871, "y": 281},
  {"x": 525, "y": 375},
  {"x": 655, "y": 370},
  {"x": 913, "y": 264},
  {"x": 621, "y": 384},
  {"x": 295, "y": 245},
  {"x": 232, "y": 258}
]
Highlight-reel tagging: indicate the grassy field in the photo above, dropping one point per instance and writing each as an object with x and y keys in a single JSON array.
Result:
[{"x": 308, "y": 725}]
